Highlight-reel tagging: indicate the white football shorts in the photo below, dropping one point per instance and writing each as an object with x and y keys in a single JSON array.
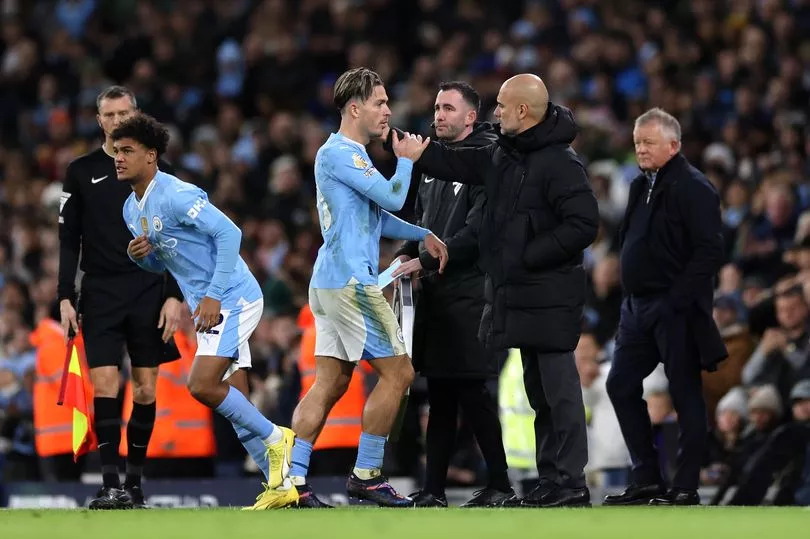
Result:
[
  {"x": 229, "y": 338},
  {"x": 354, "y": 322}
]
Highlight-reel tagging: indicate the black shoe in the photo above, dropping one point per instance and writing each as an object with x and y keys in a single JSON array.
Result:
[
  {"x": 677, "y": 496},
  {"x": 422, "y": 498},
  {"x": 567, "y": 497},
  {"x": 136, "y": 495},
  {"x": 636, "y": 495},
  {"x": 535, "y": 496},
  {"x": 377, "y": 490},
  {"x": 489, "y": 497},
  {"x": 308, "y": 500},
  {"x": 111, "y": 498}
]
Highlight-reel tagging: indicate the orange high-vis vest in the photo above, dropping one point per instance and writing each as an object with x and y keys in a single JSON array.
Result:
[
  {"x": 183, "y": 427},
  {"x": 53, "y": 425},
  {"x": 343, "y": 426}
]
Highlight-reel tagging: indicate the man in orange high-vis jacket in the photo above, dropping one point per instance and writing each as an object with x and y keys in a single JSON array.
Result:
[
  {"x": 336, "y": 447},
  {"x": 183, "y": 427},
  {"x": 53, "y": 424}
]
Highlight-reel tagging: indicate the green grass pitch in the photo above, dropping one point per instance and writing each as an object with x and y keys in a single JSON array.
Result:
[{"x": 355, "y": 523}]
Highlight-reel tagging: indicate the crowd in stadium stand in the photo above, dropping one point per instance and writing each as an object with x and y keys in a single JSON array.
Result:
[{"x": 246, "y": 87}]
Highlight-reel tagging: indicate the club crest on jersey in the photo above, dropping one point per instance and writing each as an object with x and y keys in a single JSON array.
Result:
[
  {"x": 358, "y": 161},
  {"x": 157, "y": 224}
]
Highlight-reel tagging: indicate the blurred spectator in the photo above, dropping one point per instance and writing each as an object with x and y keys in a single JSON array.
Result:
[
  {"x": 782, "y": 459},
  {"x": 607, "y": 452},
  {"x": 783, "y": 356},
  {"x": 663, "y": 419},
  {"x": 740, "y": 345},
  {"x": 724, "y": 442},
  {"x": 604, "y": 299}
]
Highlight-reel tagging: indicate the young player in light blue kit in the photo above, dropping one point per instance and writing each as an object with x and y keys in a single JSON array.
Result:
[
  {"x": 353, "y": 321},
  {"x": 177, "y": 229}
]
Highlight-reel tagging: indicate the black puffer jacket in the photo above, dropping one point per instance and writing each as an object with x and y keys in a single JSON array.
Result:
[
  {"x": 539, "y": 217},
  {"x": 449, "y": 306}
]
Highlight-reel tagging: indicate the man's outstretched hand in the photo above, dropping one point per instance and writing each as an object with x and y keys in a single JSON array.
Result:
[
  {"x": 437, "y": 249},
  {"x": 409, "y": 146}
]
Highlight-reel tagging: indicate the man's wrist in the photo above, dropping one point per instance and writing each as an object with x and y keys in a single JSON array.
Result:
[{"x": 213, "y": 295}]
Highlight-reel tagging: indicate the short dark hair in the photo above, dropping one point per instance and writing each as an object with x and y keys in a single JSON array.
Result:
[
  {"x": 467, "y": 92},
  {"x": 357, "y": 83},
  {"x": 145, "y": 130},
  {"x": 116, "y": 92}
]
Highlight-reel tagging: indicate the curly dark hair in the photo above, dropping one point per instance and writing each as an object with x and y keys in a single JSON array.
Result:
[{"x": 145, "y": 130}]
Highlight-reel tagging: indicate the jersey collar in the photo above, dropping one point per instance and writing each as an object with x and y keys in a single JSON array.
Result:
[
  {"x": 142, "y": 202},
  {"x": 350, "y": 141}
]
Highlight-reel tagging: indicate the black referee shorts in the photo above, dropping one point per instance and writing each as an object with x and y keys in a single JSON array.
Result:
[{"x": 124, "y": 310}]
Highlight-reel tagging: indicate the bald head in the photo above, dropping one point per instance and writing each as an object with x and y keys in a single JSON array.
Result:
[{"x": 522, "y": 103}]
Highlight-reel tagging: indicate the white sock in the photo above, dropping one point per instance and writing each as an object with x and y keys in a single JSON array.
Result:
[
  {"x": 274, "y": 437},
  {"x": 298, "y": 481},
  {"x": 366, "y": 474}
]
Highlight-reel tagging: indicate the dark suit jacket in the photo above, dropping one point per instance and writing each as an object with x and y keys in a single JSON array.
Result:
[{"x": 684, "y": 234}]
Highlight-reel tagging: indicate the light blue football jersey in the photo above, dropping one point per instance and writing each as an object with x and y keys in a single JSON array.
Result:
[
  {"x": 352, "y": 199},
  {"x": 193, "y": 240}
]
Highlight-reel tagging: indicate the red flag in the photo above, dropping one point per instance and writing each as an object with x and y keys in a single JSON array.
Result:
[{"x": 73, "y": 393}]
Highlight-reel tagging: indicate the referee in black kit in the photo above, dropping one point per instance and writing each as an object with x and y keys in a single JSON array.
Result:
[
  {"x": 121, "y": 304},
  {"x": 446, "y": 350}
]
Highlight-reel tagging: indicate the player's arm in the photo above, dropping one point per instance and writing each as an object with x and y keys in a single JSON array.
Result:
[
  {"x": 411, "y": 248},
  {"x": 192, "y": 208},
  {"x": 396, "y": 229},
  {"x": 352, "y": 169},
  {"x": 70, "y": 234},
  {"x": 464, "y": 165},
  {"x": 462, "y": 247}
]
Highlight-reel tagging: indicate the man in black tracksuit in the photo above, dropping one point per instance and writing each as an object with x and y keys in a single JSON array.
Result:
[
  {"x": 445, "y": 344},
  {"x": 671, "y": 249},
  {"x": 120, "y": 304},
  {"x": 539, "y": 217}
]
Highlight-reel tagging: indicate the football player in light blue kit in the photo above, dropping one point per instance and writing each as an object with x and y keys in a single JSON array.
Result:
[
  {"x": 177, "y": 229},
  {"x": 353, "y": 321}
]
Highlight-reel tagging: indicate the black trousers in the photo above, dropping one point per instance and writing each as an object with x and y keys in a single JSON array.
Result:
[
  {"x": 555, "y": 394},
  {"x": 445, "y": 396},
  {"x": 649, "y": 334}
]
